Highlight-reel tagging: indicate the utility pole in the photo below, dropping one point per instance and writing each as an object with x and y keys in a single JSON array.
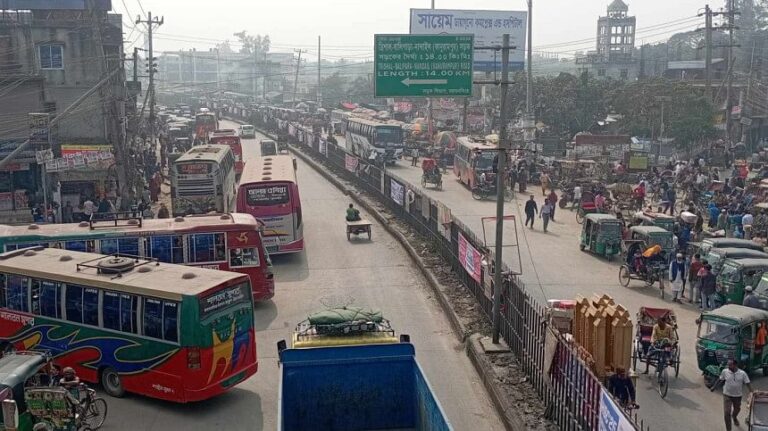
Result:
[
  {"x": 500, "y": 189},
  {"x": 151, "y": 23},
  {"x": 529, "y": 81},
  {"x": 136, "y": 64},
  {"x": 708, "y": 49},
  {"x": 218, "y": 70},
  {"x": 296, "y": 78},
  {"x": 729, "y": 86},
  {"x": 255, "y": 77},
  {"x": 319, "y": 94},
  {"x": 264, "y": 84},
  {"x": 662, "y": 99}
]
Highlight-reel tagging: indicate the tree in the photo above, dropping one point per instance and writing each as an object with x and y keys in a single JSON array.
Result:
[
  {"x": 252, "y": 44},
  {"x": 361, "y": 89},
  {"x": 224, "y": 47},
  {"x": 334, "y": 89}
]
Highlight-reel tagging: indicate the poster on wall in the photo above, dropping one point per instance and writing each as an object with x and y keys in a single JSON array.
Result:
[
  {"x": 444, "y": 220},
  {"x": 396, "y": 192},
  {"x": 350, "y": 163},
  {"x": 470, "y": 258},
  {"x": 611, "y": 417}
]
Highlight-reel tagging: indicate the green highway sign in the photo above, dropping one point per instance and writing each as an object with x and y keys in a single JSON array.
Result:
[{"x": 423, "y": 65}]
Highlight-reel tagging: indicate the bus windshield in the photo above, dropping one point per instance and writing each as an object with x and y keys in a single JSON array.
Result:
[
  {"x": 389, "y": 135},
  {"x": 268, "y": 195},
  {"x": 484, "y": 161}
]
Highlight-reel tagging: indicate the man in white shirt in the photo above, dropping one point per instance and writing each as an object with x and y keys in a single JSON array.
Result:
[
  {"x": 576, "y": 196},
  {"x": 747, "y": 220},
  {"x": 733, "y": 380}
]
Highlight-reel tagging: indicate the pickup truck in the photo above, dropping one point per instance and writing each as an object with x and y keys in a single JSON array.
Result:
[{"x": 355, "y": 386}]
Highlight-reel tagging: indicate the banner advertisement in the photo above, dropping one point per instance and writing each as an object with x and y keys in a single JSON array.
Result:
[
  {"x": 397, "y": 192},
  {"x": 350, "y": 163},
  {"x": 488, "y": 27},
  {"x": 470, "y": 258},
  {"x": 611, "y": 417}
]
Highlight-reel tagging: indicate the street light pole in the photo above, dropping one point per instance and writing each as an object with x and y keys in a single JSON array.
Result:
[
  {"x": 500, "y": 169},
  {"x": 529, "y": 80}
]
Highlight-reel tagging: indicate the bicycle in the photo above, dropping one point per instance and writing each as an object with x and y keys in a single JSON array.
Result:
[
  {"x": 661, "y": 374},
  {"x": 91, "y": 411}
]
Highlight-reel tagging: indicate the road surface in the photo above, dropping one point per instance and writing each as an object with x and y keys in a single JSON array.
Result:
[
  {"x": 377, "y": 274},
  {"x": 554, "y": 268}
]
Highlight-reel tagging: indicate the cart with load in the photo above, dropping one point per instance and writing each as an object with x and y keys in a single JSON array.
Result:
[
  {"x": 358, "y": 227},
  {"x": 758, "y": 411}
]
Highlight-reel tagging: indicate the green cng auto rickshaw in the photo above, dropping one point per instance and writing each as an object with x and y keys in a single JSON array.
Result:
[
  {"x": 653, "y": 235},
  {"x": 717, "y": 256},
  {"x": 735, "y": 275},
  {"x": 601, "y": 234},
  {"x": 711, "y": 243},
  {"x": 730, "y": 332},
  {"x": 647, "y": 218}
]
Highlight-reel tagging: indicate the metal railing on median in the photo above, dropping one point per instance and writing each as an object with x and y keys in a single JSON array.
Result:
[{"x": 555, "y": 368}]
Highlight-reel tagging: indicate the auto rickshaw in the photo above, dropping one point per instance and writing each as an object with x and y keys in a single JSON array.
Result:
[
  {"x": 735, "y": 275},
  {"x": 710, "y": 243},
  {"x": 268, "y": 147},
  {"x": 717, "y": 256},
  {"x": 648, "y": 218},
  {"x": 601, "y": 234},
  {"x": 654, "y": 235},
  {"x": 729, "y": 332}
]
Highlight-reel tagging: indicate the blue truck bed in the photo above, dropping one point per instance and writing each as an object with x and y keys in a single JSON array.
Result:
[{"x": 355, "y": 388}]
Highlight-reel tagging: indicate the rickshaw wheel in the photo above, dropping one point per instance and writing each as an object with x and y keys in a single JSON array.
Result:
[
  {"x": 579, "y": 217},
  {"x": 582, "y": 247},
  {"x": 423, "y": 181},
  {"x": 634, "y": 358},
  {"x": 562, "y": 203},
  {"x": 677, "y": 361},
  {"x": 624, "y": 275}
]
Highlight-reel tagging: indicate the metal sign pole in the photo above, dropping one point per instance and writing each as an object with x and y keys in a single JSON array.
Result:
[{"x": 500, "y": 186}]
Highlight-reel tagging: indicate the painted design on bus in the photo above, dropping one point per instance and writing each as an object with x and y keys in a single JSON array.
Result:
[
  {"x": 231, "y": 337},
  {"x": 123, "y": 354}
]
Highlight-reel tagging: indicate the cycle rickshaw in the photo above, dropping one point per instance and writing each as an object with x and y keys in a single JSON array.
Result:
[{"x": 668, "y": 355}]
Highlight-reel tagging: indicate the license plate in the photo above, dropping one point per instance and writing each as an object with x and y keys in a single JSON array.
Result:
[{"x": 272, "y": 248}]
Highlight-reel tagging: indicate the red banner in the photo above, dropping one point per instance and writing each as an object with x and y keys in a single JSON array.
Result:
[
  {"x": 350, "y": 162},
  {"x": 470, "y": 258}
]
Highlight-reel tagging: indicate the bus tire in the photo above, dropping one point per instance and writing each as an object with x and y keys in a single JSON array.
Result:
[
  {"x": 6, "y": 348},
  {"x": 110, "y": 381}
]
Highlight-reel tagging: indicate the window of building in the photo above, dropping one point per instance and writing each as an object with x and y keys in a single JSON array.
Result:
[
  {"x": 51, "y": 56},
  {"x": 624, "y": 73}
]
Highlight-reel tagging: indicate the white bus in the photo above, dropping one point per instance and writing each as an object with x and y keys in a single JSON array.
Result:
[
  {"x": 339, "y": 121},
  {"x": 366, "y": 136},
  {"x": 203, "y": 180}
]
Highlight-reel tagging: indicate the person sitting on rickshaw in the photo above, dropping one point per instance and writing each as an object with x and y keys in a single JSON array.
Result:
[
  {"x": 638, "y": 194},
  {"x": 663, "y": 335},
  {"x": 620, "y": 385},
  {"x": 599, "y": 202},
  {"x": 353, "y": 214},
  {"x": 71, "y": 383}
]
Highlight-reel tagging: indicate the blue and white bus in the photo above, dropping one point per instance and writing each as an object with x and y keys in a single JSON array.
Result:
[{"x": 366, "y": 136}]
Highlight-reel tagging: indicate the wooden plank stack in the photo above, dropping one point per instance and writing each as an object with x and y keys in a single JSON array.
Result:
[{"x": 604, "y": 329}]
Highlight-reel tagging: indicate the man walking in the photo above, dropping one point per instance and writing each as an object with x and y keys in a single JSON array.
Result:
[
  {"x": 546, "y": 210},
  {"x": 553, "y": 202},
  {"x": 708, "y": 287},
  {"x": 544, "y": 179},
  {"x": 676, "y": 276},
  {"x": 530, "y": 211},
  {"x": 733, "y": 380},
  {"x": 414, "y": 157}
]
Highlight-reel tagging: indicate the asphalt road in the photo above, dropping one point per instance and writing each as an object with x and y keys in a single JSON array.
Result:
[
  {"x": 377, "y": 274},
  {"x": 554, "y": 268}
]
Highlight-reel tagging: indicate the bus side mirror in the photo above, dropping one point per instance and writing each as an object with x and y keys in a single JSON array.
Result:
[
  {"x": 281, "y": 345},
  {"x": 405, "y": 338},
  {"x": 295, "y": 165}
]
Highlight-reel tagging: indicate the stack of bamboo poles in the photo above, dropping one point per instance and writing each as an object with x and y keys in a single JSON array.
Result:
[{"x": 604, "y": 329}]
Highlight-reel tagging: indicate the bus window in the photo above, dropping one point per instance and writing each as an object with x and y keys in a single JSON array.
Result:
[
  {"x": 123, "y": 246},
  {"x": 83, "y": 245},
  {"x": 240, "y": 257},
  {"x": 73, "y": 301},
  {"x": 46, "y": 298},
  {"x": 91, "y": 306},
  {"x": 16, "y": 292},
  {"x": 167, "y": 249},
  {"x": 160, "y": 319},
  {"x": 170, "y": 321},
  {"x": 206, "y": 247}
]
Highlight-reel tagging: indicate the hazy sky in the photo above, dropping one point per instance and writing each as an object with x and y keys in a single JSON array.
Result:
[{"x": 347, "y": 26}]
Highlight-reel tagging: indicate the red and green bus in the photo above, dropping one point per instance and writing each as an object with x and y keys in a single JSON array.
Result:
[
  {"x": 229, "y": 242},
  {"x": 165, "y": 331}
]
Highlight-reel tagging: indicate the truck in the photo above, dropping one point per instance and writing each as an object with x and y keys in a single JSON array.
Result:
[{"x": 355, "y": 380}]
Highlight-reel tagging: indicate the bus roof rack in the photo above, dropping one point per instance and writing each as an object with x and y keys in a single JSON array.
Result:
[
  {"x": 130, "y": 218},
  {"x": 116, "y": 264}
]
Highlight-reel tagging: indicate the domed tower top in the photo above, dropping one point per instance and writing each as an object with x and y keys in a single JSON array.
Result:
[{"x": 617, "y": 9}]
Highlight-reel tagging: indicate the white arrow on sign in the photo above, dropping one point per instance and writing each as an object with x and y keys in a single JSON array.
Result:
[{"x": 408, "y": 82}]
